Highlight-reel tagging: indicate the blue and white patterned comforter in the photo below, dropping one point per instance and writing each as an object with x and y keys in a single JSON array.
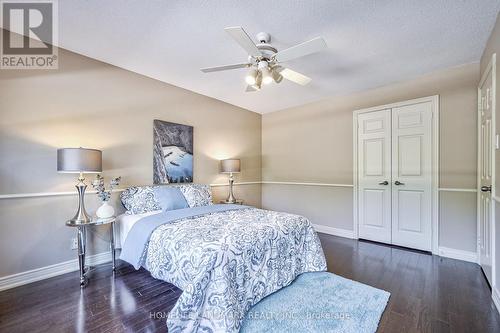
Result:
[{"x": 226, "y": 262}]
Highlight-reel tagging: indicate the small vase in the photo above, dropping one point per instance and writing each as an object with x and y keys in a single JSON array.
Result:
[{"x": 105, "y": 211}]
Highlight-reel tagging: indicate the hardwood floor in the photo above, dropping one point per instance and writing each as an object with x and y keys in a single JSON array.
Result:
[{"x": 428, "y": 294}]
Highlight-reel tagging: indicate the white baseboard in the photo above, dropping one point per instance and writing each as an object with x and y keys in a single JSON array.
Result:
[
  {"x": 334, "y": 231},
  {"x": 495, "y": 294},
  {"x": 458, "y": 254},
  {"x": 19, "y": 279},
  {"x": 443, "y": 251}
]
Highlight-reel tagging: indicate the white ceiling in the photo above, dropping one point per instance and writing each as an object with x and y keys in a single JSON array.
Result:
[{"x": 371, "y": 43}]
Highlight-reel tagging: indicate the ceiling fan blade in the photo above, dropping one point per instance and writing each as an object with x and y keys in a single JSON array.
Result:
[
  {"x": 224, "y": 68},
  {"x": 312, "y": 46},
  {"x": 295, "y": 76},
  {"x": 242, "y": 38}
]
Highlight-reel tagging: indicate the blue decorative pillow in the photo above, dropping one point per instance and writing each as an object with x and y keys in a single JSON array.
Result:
[{"x": 170, "y": 198}]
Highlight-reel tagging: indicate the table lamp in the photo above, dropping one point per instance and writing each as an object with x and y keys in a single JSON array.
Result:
[
  {"x": 81, "y": 161},
  {"x": 230, "y": 166}
]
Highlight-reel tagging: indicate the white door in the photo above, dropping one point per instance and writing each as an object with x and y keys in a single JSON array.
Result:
[
  {"x": 412, "y": 176},
  {"x": 374, "y": 175},
  {"x": 485, "y": 166}
]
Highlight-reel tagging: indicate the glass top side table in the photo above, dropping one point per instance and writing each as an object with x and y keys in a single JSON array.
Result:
[{"x": 82, "y": 242}]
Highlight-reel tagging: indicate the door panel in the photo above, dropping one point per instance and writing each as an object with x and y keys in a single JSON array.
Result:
[
  {"x": 411, "y": 176},
  {"x": 373, "y": 150},
  {"x": 485, "y": 176},
  {"x": 374, "y": 168},
  {"x": 410, "y": 164},
  {"x": 374, "y": 207},
  {"x": 411, "y": 204}
]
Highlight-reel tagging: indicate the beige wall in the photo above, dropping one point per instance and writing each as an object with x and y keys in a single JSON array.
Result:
[
  {"x": 92, "y": 104},
  {"x": 313, "y": 143},
  {"x": 493, "y": 46}
]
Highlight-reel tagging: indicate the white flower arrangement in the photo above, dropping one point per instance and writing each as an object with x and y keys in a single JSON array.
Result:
[{"x": 98, "y": 185}]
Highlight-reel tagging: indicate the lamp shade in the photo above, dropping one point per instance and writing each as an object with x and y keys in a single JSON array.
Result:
[
  {"x": 76, "y": 160},
  {"x": 230, "y": 166}
]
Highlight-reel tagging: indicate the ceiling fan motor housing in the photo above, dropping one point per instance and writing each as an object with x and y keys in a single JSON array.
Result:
[
  {"x": 264, "y": 47},
  {"x": 263, "y": 37},
  {"x": 267, "y": 50}
]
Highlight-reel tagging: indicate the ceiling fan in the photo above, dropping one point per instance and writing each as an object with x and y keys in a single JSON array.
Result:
[{"x": 264, "y": 60}]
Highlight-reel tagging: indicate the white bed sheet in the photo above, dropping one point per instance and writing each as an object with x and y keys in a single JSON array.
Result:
[{"x": 125, "y": 222}]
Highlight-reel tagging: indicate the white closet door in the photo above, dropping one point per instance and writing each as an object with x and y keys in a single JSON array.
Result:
[
  {"x": 411, "y": 176},
  {"x": 485, "y": 175},
  {"x": 374, "y": 175}
]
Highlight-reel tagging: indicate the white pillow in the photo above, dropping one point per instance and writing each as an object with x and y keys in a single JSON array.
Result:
[{"x": 197, "y": 194}]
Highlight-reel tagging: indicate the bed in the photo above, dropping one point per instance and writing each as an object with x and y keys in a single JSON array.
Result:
[{"x": 225, "y": 258}]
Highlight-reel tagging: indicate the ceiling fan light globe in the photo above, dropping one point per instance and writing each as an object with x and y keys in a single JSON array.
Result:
[
  {"x": 267, "y": 79},
  {"x": 266, "y": 76},
  {"x": 275, "y": 72},
  {"x": 251, "y": 77},
  {"x": 262, "y": 65},
  {"x": 250, "y": 80}
]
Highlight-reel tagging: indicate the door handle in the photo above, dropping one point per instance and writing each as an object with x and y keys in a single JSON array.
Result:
[
  {"x": 385, "y": 182},
  {"x": 397, "y": 182},
  {"x": 486, "y": 188}
]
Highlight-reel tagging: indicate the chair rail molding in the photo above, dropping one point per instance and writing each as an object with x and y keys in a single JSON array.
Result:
[
  {"x": 263, "y": 182},
  {"x": 66, "y": 193},
  {"x": 306, "y": 184},
  {"x": 452, "y": 189},
  {"x": 48, "y": 194},
  {"x": 240, "y": 183}
]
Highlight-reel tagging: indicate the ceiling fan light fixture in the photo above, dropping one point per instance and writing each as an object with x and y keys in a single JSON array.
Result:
[
  {"x": 264, "y": 59},
  {"x": 258, "y": 81},
  {"x": 276, "y": 74},
  {"x": 251, "y": 78},
  {"x": 266, "y": 76}
]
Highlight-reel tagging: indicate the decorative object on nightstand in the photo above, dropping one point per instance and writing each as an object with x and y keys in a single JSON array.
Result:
[
  {"x": 82, "y": 242},
  {"x": 81, "y": 161},
  {"x": 231, "y": 166},
  {"x": 105, "y": 210}
]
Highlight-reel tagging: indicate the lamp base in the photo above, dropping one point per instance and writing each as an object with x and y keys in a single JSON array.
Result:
[
  {"x": 235, "y": 202},
  {"x": 80, "y": 220},
  {"x": 231, "y": 199},
  {"x": 81, "y": 215}
]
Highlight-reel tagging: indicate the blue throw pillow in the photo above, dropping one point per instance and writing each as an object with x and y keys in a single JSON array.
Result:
[{"x": 170, "y": 198}]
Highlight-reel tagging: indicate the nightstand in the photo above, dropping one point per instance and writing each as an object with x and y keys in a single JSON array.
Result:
[
  {"x": 82, "y": 242},
  {"x": 238, "y": 202}
]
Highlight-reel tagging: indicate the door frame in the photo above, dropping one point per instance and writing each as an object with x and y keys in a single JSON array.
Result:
[
  {"x": 434, "y": 100},
  {"x": 494, "y": 200}
]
